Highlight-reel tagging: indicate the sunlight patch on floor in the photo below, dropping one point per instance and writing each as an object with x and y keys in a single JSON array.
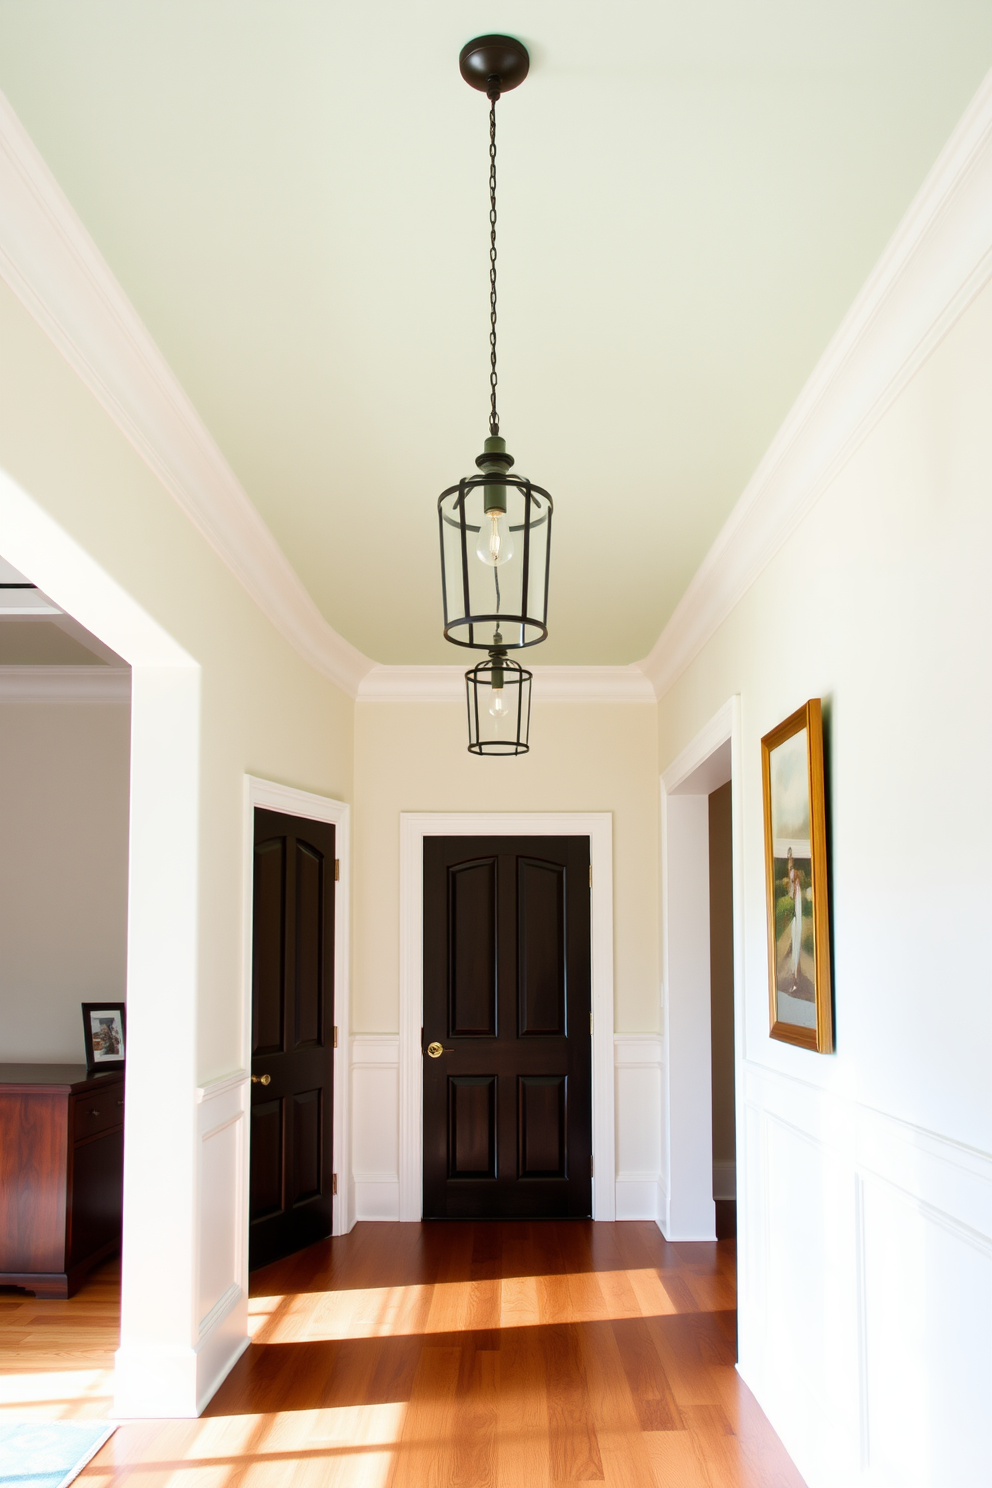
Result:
[
  {"x": 459, "y": 1306},
  {"x": 77, "y": 1394},
  {"x": 352, "y": 1446}
]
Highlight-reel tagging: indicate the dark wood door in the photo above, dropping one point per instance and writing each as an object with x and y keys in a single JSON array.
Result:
[
  {"x": 292, "y": 1036},
  {"x": 508, "y": 1103}
]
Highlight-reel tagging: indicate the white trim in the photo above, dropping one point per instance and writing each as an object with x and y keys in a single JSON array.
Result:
[
  {"x": 273, "y": 796},
  {"x": 221, "y": 1086},
  {"x": 70, "y": 684},
  {"x": 55, "y": 269},
  {"x": 157, "y": 1362},
  {"x": 936, "y": 263},
  {"x": 562, "y": 684},
  {"x": 687, "y": 1210},
  {"x": 414, "y": 827}
]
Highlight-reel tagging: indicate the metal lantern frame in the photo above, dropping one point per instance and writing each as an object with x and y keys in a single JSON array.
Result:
[
  {"x": 512, "y": 598},
  {"x": 483, "y": 731}
]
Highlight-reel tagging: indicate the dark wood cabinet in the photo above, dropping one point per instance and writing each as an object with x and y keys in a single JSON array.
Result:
[{"x": 61, "y": 1174}]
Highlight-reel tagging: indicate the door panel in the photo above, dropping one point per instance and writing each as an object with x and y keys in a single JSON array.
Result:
[
  {"x": 508, "y": 1101},
  {"x": 472, "y": 1126},
  {"x": 269, "y": 948},
  {"x": 292, "y": 1036},
  {"x": 472, "y": 948},
  {"x": 309, "y": 944},
  {"x": 541, "y": 939},
  {"x": 266, "y": 1159},
  {"x": 306, "y": 1146},
  {"x": 542, "y": 1126}
]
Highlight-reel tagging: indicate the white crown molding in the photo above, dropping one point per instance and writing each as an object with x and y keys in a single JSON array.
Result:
[
  {"x": 552, "y": 684},
  {"x": 53, "y": 266},
  {"x": 70, "y": 684},
  {"x": 937, "y": 262}
]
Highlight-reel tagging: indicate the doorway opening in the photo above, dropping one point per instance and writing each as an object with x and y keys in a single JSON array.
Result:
[
  {"x": 701, "y": 921},
  {"x": 65, "y": 724},
  {"x": 723, "y": 1082},
  {"x": 296, "y": 1001}
]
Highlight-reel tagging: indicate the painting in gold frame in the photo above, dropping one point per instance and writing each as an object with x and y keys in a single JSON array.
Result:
[{"x": 796, "y": 881}]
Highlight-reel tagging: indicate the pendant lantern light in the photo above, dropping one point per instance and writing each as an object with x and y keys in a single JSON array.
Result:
[
  {"x": 498, "y": 705},
  {"x": 495, "y": 527}
]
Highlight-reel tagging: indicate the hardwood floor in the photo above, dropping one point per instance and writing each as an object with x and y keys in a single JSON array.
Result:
[{"x": 442, "y": 1356}]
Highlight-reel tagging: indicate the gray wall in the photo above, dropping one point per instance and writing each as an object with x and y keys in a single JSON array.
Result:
[{"x": 64, "y": 776}]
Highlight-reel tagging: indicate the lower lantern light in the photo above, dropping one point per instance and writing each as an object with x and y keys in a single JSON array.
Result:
[{"x": 498, "y": 693}]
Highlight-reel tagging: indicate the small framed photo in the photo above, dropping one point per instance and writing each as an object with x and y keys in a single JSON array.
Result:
[
  {"x": 796, "y": 879},
  {"x": 103, "y": 1033}
]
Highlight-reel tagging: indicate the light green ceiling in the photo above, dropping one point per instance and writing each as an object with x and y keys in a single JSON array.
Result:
[{"x": 293, "y": 195}]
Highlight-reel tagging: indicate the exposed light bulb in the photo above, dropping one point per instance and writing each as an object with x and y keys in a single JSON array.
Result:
[
  {"x": 495, "y": 541},
  {"x": 497, "y": 706}
]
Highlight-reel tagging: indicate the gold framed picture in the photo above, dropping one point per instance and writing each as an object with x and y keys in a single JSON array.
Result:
[{"x": 796, "y": 882}]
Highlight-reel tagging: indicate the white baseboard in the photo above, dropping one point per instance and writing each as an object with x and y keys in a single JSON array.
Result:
[
  {"x": 377, "y": 1196},
  {"x": 638, "y": 1196}
]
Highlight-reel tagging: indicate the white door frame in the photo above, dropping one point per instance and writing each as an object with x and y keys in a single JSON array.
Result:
[
  {"x": 414, "y": 827},
  {"x": 688, "y": 1207},
  {"x": 272, "y": 796}
]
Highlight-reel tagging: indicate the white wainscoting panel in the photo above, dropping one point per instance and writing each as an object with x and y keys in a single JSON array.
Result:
[
  {"x": 222, "y": 1258},
  {"x": 865, "y": 1289},
  {"x": 637, "y": 1057},
  {"x": 375, "y": 1075},
  {"x": 375, "y": 1125}
]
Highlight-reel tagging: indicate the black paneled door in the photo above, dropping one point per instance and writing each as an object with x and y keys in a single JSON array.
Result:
[
  {"x": 292, "y": 1036},
  {"x": 507, "y": 1048}
]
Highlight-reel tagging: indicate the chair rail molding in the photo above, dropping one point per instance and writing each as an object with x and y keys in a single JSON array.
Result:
[
  {"x": 273, "y": 796},
  {"x": 937, "y": 262},
  {"x": 414, "y": 827},
  {"x": 57, "y": 272}
]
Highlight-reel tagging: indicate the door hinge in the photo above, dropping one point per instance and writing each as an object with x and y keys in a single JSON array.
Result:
[
  {"x": 335, "y": 1035},
  {"x": 590, "y": 1165},
  {"x": 337, "y": 869},
  {"x": 590, "y": 1023},
  {"x": 590, "y": 875},
  {"x": 334, "y": 1183}
]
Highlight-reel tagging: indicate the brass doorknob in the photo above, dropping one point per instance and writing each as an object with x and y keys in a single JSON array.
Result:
[
  {"x": 261, "y": 1079},
  {"x": 436, "y": 1050}
]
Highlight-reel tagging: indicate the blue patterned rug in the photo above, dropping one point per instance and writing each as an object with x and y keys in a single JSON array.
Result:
[{"x": 48, "y": 1454}]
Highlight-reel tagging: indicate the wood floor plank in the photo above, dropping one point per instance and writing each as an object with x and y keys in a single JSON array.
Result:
[{"x": 444, "y": 1355}]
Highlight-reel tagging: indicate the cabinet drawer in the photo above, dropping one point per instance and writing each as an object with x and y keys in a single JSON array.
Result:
[{"x": 97, "y": 1110}]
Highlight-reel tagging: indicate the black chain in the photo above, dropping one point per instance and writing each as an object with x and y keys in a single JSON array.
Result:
[{"x": 493, "y": 415}]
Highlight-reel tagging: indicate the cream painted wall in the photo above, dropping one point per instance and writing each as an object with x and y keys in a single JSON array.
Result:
[
  {"x": 867, "y": 1249},
  {"x": 413, "y": 757},
  {"x": 264, "y": 711},
  {"x": 63, "y": 872}
]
